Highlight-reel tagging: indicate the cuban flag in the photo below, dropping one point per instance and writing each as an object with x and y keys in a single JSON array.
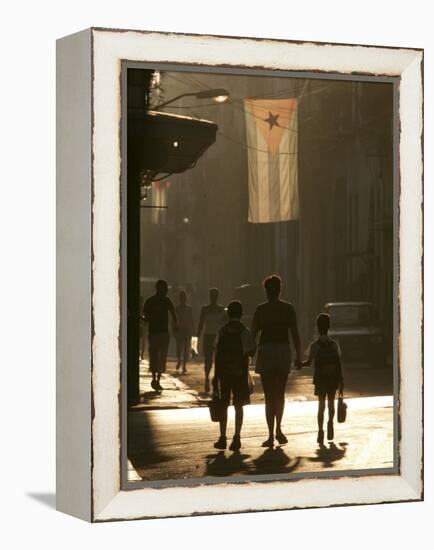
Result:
[{"x": 272, "y": 142}]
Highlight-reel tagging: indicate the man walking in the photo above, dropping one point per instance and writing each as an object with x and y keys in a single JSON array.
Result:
[
  {"x": 156, "y": 313},
  {"x": 184, "y": 314},
  {"x": 212, "y": 317}
]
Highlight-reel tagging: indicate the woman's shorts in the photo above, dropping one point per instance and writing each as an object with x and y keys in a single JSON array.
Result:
[{"x": 273, "y": 357}]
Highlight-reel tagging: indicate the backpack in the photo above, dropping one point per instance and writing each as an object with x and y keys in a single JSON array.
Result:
[
  {"x": 327, "y": 359},
  {"x": 230, "y": 355}
]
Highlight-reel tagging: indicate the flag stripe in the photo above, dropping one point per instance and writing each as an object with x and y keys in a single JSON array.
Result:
[
  {"x": 284, "y": 179},
  {"x": 292, "y": 148},
  {"x": 262, "y": 178},
  {"x": 252, "y": 169},
  {"x": 274, "y": 187}
]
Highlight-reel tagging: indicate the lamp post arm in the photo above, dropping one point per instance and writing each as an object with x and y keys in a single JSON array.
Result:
[{"x": 173, "y": 99}]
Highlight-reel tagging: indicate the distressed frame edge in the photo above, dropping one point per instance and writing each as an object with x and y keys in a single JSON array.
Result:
[
  {"x": 112, "y": 512},
  {"x": 73, "y": 291},
  {"x": 411, "y": 143},
  {"x": 251, "y": 38},
  {"x": 414, "y": 491}
]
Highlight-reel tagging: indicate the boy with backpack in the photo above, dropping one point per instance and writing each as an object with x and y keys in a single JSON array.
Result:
[
  {"x": 328, "y": 376},
  {"x": 234, "y": 346}
]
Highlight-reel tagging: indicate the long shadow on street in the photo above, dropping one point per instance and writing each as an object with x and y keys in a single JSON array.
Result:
[
  {"x": 143, "y": 452},
  {"x": 272, "y": 461},
  {"x": 329, "y": 455},
  {"x": 220, "y": 465}
]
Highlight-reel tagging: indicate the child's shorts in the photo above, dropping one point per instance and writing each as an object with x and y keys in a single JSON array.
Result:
[
  {"x": 325, "y": 388},
  {"x": 238, "y": 386}
]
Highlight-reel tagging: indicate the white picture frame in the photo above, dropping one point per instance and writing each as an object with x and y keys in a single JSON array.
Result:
[{"x": 89, "y": 260}]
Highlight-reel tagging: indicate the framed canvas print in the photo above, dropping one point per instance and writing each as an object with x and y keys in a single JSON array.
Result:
[{"x": 239, "y": 274}]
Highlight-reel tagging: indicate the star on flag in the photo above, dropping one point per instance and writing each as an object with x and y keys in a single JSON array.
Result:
[{"x": 272, "y": 120}]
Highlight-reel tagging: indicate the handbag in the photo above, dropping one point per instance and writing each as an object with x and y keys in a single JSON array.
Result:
[
  {"x": 342, "y": 407},
  {"x": 215, "y": 408}
]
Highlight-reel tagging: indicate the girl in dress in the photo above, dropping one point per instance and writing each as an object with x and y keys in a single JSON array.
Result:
[{"x": 328, "y": 377}]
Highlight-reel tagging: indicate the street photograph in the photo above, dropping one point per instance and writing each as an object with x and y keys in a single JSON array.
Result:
[{"x": 260, "y": 335}]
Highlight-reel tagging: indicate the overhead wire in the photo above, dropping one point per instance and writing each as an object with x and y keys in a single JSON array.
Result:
[
  {"x": 236, "y": 102},
  {"x": 188, "y": 79}
]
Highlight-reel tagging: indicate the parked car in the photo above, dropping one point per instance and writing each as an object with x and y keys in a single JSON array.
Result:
[{"x": 355, "y": 326}]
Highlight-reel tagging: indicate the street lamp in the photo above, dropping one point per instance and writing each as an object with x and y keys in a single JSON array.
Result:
[{"x": 219, "y": 95}]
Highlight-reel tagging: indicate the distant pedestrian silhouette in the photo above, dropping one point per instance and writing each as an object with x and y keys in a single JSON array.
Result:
[
  {"x": 184, "y": 315},
  {"x": 212, "y": 317},
  {"x": 156, "y": 311},
  {"x": 234, "y": 345},
  {"x": 275, "y": 320},
  {"x": 328, "y": 377},
  {"x": 142, "y": 331}
]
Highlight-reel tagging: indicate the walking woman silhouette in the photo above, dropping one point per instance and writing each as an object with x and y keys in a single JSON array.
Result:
[{"x": 275, "y": 320}]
